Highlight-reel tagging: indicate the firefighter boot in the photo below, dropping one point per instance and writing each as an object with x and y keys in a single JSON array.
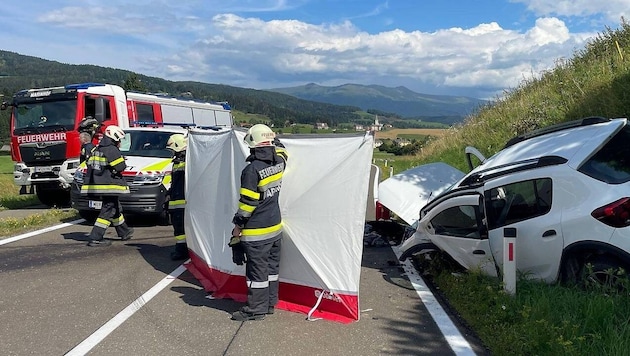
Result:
[{"x": 181, "y": 252}]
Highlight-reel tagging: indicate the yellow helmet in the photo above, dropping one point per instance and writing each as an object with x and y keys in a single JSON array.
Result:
[
  {"x": 259, "y": 135},
  {"x": 177, "y": 142},
  {"x": 115, "y": 133}
]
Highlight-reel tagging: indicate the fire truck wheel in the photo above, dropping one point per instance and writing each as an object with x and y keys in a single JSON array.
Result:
[{"x": 53, "y": 198}]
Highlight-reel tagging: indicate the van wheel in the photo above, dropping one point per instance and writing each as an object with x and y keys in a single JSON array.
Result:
[
  {"x": 89, "y": 215},
  {"x": 164, "y": 218}
]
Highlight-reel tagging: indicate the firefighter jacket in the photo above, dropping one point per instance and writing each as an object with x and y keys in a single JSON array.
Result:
[
  {"x": 258, "y": 213},
  {"x": 104, "y": 170},
  {"x": 176, "y": 192}
]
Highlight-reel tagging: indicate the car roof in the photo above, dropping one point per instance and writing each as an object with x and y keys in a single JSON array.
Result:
[{"x": 574, "y": 144}]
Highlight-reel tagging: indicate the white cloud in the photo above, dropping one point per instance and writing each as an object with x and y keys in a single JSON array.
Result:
[
  {"x": 486, "y": 55},
  {"x": 613, "y": 10}
]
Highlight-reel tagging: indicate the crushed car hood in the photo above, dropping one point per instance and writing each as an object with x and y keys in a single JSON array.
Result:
[{"x": 407, "y": 192}]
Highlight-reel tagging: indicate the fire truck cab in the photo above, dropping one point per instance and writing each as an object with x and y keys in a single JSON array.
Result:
[
  {"x": 44, "y": 124},
  {"x": 44, "y": 138}
]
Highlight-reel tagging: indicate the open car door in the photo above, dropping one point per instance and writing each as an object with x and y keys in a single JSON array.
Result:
[{"x": 456, "y": 226}]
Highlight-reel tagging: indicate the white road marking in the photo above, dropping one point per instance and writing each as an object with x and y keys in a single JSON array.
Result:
[
  {"x": 33, "y": 233},
  {"x": 88, "y": 344},
  {"x": 455, "y": 340}
]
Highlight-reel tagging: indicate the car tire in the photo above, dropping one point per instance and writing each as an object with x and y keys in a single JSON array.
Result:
[{"x": 603, "y": 273}]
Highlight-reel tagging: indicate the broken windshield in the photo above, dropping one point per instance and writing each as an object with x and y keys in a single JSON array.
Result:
[{"x": 44, "y": 116}]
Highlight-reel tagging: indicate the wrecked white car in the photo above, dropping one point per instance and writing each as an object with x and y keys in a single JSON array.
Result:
[{"x": 565, "y": 188}]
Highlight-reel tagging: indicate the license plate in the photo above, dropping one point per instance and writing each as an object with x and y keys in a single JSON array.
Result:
[
  {"x": 43, "y": 169},
  {"x": 95, "y": 204}
]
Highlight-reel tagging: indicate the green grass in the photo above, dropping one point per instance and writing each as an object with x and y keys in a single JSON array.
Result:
[
  {"x": 12, "y": 226},
  {"x": 540, "y": 319},
  {"x": 10, "y": 199},
  {"x": 9, "y": 192}
]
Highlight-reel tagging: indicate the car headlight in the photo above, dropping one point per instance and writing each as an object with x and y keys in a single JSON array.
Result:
[{"x": 148, "y": 178}]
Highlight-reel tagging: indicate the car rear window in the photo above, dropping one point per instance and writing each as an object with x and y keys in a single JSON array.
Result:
[{"x": 611, "y": 164}]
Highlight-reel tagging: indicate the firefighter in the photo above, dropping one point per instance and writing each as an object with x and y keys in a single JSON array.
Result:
[
  {"x": 87, "y": 129},
  {"x": 86, "y": 146},
  {"x": 104, "y": 179},
  {"x": 177, "y": 198},
  {"x": 257, "y": 234}
]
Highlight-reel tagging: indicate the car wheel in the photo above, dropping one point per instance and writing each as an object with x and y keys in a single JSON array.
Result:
[{"x": 604, "y": 273}]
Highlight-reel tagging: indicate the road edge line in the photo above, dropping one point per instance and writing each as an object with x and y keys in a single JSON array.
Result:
[
  {"x": 37, "y": 232},
  {"x": 454, "y": 338}
]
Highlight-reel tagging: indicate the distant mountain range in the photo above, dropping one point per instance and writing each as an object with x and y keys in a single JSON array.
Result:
[
  {"x": 307, "y": 104},
  {"x": 399, "y": 100}
]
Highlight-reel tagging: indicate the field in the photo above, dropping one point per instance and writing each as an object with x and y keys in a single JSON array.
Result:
[{"x": 395, "y": 133}]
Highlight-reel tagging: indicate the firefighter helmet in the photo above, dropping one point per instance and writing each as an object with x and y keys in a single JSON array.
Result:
[
  {"x": 177, "y": 142},
  {"x": 259, "y": 135},
  {"x": 115, "y": 133}
]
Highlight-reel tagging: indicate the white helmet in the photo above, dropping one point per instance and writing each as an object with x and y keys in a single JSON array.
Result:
[
  {"x": 177, "y": 142},
  {"x": 115, "y": 133},
  {"x": 259, "y": 135}
]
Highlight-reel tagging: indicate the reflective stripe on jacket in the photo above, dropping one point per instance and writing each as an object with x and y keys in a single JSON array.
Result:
[{"x": 104, "y": 171}]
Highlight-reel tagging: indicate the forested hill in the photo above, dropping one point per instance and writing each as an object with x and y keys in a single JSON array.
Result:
[{"x": 20, "y": 72}]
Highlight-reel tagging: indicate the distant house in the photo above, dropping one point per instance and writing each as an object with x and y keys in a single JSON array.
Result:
[
  {"x": 321, "y": 125},
  {"x": 358, "y": 127}
]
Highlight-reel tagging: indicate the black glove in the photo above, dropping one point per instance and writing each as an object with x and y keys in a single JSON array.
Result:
[{"x": 238, "y": 252}]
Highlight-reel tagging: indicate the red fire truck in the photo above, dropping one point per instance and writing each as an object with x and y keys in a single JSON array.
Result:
[{"x": 44, "y": 138}]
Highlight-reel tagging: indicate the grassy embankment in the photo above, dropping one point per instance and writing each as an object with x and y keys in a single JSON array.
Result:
[
  {"x": 542, "y": 319},
  {"x": 10, "y": 199}
]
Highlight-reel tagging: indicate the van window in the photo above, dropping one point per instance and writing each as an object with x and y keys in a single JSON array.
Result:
[
  {"x": 611, "y": 164},
  {"x": 458, "y": 221},
  {"x": 517, "y": 202}
]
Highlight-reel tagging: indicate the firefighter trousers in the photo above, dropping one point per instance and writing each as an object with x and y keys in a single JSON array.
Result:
[
  {"x": 177, "y": 219},
  {"x": 261, "y": 271},
  {"x": 110, "y": 214}
]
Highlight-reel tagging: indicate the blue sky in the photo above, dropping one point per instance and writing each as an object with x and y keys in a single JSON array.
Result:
[{"x": 477, "y": 48}]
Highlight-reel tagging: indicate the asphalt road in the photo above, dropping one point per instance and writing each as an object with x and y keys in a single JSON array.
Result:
[{"x": 59, "y": 296}]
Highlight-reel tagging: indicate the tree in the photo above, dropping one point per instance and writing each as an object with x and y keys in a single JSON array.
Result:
[{"x": 133, "y": 83}]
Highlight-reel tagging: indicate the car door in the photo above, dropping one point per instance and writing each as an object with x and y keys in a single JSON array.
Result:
[
  {"x": 455, "y": 225},
  {"x": 529, "y": 208}
]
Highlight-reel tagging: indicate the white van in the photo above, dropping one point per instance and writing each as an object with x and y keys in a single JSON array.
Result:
[{"x": 148, "y": 174}]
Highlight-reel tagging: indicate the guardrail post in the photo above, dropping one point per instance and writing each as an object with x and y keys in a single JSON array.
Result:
[{"x": 509, "y": 260}]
